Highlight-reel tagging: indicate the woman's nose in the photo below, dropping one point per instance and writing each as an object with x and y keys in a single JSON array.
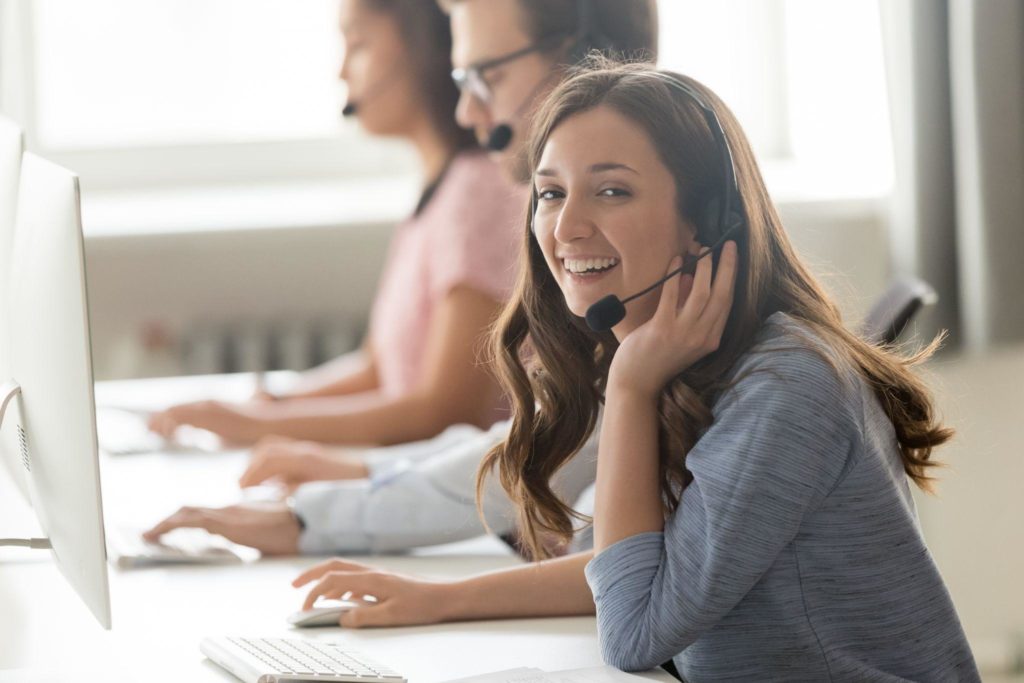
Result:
[{"x": 573, "y": 222}]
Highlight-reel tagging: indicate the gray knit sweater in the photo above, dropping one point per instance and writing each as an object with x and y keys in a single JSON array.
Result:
[{"x": 795, "y": 554}]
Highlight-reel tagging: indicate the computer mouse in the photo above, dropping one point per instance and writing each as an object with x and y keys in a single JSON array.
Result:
[{"x": 326, "y": 614}]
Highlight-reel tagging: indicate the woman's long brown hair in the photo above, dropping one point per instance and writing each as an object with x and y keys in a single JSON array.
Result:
[{"x": 555, "y": 368}]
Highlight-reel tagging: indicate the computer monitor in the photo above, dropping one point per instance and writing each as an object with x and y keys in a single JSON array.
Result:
[
  {"x": 52, "y": 407},
  {"x": 11, "y": 148}
]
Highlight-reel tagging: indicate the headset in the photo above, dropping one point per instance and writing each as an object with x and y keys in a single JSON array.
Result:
[{"x": 721, "y": 217}]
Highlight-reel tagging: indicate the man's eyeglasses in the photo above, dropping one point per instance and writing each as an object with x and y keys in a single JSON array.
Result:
[{"x": 473, "y": 80}]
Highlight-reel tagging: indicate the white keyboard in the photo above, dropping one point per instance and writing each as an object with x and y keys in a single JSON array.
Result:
[
  {"x": 274, "y": 660},
  {"x": 126, "y": 548},
  {"x": 125, "y": 432}
]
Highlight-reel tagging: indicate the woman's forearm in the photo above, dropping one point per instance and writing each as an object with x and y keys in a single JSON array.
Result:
[
  {"x": 362, "y": 420},
  {"x": 352, "y": 373},
  {"x": 540, "y": 589},
  {"x": 627, "y": 498}
]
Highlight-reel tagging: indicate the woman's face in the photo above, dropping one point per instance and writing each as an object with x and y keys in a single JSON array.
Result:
[
  {"x": 607, "y": 218},
  {"x": 377, "y": 70}
]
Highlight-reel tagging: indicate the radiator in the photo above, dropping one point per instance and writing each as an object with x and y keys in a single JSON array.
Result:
[
  {"x": 208, "y": 348},
  {"x": 156, "y": 349}
]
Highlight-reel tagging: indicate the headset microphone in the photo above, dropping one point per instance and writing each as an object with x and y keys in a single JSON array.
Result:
[{"x": 499, "y": 138}]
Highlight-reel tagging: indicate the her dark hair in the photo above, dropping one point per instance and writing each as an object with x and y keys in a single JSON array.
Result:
[
  {"x": 623, "y": 28},
  {"x": 426, "y": 32},
  {"x": 555, "y": 368}
]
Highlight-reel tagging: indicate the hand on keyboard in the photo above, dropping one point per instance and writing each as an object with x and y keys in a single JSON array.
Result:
[
  {"x": 125, "y": 432},
  {"x": 236, "y": 423},
  {"x": 293, "y": 463},
  {"x": 127, "y": 548},
  {"x": 270, "y": 527}
]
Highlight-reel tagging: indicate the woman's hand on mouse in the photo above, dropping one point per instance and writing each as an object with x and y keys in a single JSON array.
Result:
[
  {"x": 399, "y": 600},
  {"x": 294, "y": 462},
  {"x": 687, "y": 326},
  {"x": 271, "y": 528}
]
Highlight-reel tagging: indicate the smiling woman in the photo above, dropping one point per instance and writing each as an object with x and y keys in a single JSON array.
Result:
[
  {"x": 750, "y": 445},
  {"x": 625, "y": 197}
]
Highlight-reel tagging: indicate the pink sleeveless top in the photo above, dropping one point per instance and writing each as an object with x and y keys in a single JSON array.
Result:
[{"x": 468, "y": 235}]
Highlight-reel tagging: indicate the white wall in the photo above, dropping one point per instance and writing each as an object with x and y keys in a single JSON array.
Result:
[
  {"x": 184, "y": 279},
  {"x": 187, "y": 281}
]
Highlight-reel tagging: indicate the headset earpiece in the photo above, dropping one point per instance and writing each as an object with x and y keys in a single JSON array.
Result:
[{"x": 708, "y": 221}]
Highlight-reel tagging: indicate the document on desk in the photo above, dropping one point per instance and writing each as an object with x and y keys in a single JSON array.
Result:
[{"x": 597, "y": 674}]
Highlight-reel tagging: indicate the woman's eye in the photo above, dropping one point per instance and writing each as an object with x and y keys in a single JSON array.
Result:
[
  {"x": 613, "y": 192},
  {"x": 549, "y": 195}
]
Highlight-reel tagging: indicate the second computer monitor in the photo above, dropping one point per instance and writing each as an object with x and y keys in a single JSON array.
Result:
[{"x": 51, "y": 362}]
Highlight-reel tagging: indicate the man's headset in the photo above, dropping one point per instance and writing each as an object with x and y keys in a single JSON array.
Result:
[{"x": 720, "y": 218}]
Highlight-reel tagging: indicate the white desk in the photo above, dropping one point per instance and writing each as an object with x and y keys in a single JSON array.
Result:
[{"x": 160, "y": 614}]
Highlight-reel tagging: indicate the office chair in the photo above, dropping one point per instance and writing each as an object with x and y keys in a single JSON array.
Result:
[{"x": 896, "y": 307}]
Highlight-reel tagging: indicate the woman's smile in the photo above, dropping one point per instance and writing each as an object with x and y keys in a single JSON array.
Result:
[{"x": 589, "y": 269}]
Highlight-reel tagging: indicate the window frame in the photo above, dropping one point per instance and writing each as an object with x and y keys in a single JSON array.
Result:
[{"x": 346, "y": 153}]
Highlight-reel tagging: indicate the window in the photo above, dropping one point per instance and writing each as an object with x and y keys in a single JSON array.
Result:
[
  {"x": 159, "y": 92},
  {"x": 131, "y": 93},
  {"x": 805, "y": 78}
]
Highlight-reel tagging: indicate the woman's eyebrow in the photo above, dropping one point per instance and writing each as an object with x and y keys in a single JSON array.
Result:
[
  {"x": 612, "y": 166},
  {"x": 595, "y": 168}
]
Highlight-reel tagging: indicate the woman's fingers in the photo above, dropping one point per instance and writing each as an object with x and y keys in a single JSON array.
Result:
[
  {"x": 701, "y": 289},
  {"x": 262, "y": 468},
  {"x": 669, "y": 299},
  {"x": 186, "y": 517},
  {"x": 318, "y": 570},
  {"x": 266, "y": 460},
  {"x": 370, "y": 614},
  {"x": 336, "y": 585},
  {"x": 685, "y": 287},
  {"x": 723, "y": 289},
  {"x": 163, "y": 423}
]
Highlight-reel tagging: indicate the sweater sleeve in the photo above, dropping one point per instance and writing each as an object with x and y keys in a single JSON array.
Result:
[
  {"x": 781, "y": 440},
  {"x": 405, "y": 503},
  {"x": 422, "y": 496}
]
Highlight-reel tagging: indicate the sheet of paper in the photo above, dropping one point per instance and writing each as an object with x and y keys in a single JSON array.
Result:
[
  {"x": 520, "y": 675},
  {"x": 596, "y": 674}
]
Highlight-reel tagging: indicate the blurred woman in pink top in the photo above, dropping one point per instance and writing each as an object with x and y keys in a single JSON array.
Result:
[{"x": 450, "y": 267}]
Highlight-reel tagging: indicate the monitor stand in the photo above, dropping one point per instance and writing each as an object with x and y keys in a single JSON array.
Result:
[{"x": 8, "y": 392}]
